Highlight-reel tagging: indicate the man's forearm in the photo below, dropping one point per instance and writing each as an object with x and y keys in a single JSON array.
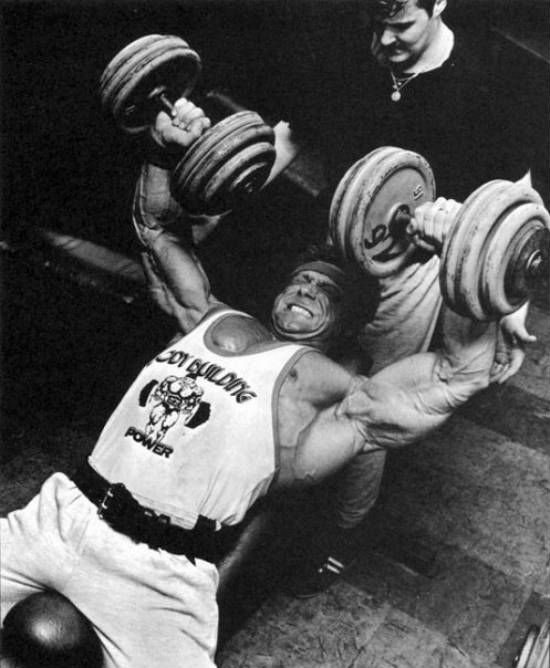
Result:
[
  {"x": 401, "y": 404},
  {"x": 327, "y": 444},
  {"x": 177, "y": 281},
  {"x": 154, "y": 206},
  {"x": 467, "y": 348},
  {"x": 429, "y": 387}
]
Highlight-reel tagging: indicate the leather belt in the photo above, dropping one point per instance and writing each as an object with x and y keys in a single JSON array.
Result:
[{"x": 121, "y": 511}]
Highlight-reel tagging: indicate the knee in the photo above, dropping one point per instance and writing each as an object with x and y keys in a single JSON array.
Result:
[{"x": 46, "y": 630}]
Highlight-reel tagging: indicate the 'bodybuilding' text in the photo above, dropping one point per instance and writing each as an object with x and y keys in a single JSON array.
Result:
[{"x": 237, "y": 387}]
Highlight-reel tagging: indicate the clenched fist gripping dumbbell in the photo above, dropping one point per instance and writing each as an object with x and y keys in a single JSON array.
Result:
[
  {"x": 496, "y": 251},
  {"x": 227, "y": 163}
]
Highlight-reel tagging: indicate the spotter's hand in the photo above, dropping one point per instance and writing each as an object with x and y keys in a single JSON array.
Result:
[
  {"x": 184, "y": 125},
  {"x": 432, "y": 222},
  {"x": 511, "y": 343}
]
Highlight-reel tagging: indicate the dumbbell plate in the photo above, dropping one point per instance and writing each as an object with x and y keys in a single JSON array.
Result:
[
  {"x": 233, "y": 157},
  {"x": 345, "y": 197},
  {"x": 244, "y": 174},
  {"x": 147, "y": 67},
  {"x": 362, "y": 220},
  {"x": 218, "y": 144},
  {"x": 484, "y": 265},
  {"x": 506, "y": 279}
]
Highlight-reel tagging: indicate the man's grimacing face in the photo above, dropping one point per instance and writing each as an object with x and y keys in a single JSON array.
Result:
[
  {"x": 309, "y": 307},
  {"x": 400, "y": 40}
]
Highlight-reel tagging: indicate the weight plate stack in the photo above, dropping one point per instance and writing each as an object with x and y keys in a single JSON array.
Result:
[
  {"x": 372, "y": 201},
  {"x": 228, "y": 163},
  {"x": 490, "y": 252},
  {"x": 144, "y": 70}
]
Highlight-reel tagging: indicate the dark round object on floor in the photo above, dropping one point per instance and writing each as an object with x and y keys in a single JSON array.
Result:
[{"x": 46, "y": 630}]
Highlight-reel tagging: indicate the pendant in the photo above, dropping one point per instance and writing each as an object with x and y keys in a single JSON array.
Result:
[{"x": 396, "y": 96}]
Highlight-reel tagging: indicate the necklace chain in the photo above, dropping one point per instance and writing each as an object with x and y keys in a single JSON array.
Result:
[{"x": 400, "y": 83}]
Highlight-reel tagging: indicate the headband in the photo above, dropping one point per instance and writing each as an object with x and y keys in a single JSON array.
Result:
[{"x": 333, "y": 272}]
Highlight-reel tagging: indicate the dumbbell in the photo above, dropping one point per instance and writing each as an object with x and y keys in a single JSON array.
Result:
[
  {"x": 228, "y": 162},
  {"x": 493, "y": 257}
]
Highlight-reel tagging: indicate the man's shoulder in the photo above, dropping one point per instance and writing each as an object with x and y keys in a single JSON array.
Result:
[{"x": 234, "y": 332}]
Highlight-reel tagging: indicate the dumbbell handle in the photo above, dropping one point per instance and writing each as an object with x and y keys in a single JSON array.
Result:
[
  {"x": 402, "y": 216},
  {"x": 536, "y": 264},
  {"x": 158, "y": 95},
  {"x": 165, "y": 102}
]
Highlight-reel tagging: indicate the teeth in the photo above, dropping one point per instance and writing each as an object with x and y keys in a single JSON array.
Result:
[{"x": 300, "y": 309}]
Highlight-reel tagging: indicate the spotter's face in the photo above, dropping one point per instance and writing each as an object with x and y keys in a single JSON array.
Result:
[
  {"x": 309, "y": 307},
  {"x": 400, "y": 41}
]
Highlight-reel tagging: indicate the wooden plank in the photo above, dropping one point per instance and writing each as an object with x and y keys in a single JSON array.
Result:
[
  {"x": 327, "y": 631},
  {"x": 467, "y": 601},
  {"x": 518, "y": 415},
  {"x": 337, "y": 629},
  {"x": 402, "y": 641}
]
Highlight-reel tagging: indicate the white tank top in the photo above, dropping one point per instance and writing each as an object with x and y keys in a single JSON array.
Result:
[{"x": 196, "y": 432}]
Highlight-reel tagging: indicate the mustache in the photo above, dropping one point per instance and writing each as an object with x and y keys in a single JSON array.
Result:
[
  {"x": 378, "y": 50},
  {"x": 388, "y": 49}
]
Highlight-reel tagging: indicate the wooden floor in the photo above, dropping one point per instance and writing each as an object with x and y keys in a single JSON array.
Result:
[{"x": 456, "y": 564}]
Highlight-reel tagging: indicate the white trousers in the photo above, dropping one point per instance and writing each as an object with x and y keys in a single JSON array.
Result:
[
  {"x": 404, "y": 323},
  {"x": 150, "y": 608}
]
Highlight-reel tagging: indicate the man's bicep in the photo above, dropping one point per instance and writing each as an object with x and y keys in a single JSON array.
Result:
[
  {"x": 400, "y": 409},
  {"x": 327, "y": 444},
  {"x": 409, "y": 399},
  {"x": 380, "y": 419},
  {"x": 374, "y": 415}
]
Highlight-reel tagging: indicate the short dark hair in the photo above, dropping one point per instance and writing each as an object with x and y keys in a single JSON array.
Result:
[
  {"x": 323, "y": 252},
  {"x": 385, "y": 9}
]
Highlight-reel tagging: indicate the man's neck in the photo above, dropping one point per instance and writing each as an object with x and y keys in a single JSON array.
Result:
[{"x": 317, "y": 343}]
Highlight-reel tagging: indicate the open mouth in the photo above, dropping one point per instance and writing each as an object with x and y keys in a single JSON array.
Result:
[{"x": 301, "y": 310}]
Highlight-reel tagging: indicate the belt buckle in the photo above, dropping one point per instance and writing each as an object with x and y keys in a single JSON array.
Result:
[{"x": 110, "y": 494}]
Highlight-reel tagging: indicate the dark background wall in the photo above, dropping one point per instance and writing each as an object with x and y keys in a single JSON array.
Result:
[{"x": 65, "y": 167}]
